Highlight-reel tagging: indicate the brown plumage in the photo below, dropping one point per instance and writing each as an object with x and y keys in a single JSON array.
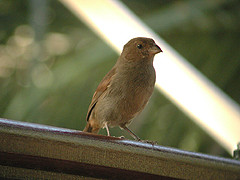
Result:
[{"x": 126, "y": 88}]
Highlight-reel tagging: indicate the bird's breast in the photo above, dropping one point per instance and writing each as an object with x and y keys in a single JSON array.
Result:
[{"x": 134, "y": 90}]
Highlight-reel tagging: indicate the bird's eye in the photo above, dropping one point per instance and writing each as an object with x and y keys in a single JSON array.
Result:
[{"x": 139, "y": 46}]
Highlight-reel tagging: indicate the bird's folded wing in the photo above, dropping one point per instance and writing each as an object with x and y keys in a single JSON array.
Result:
[{"x": 102, "y": 87}]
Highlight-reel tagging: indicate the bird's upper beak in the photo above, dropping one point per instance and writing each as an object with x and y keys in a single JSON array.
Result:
[{"x": 155, "y": 49}]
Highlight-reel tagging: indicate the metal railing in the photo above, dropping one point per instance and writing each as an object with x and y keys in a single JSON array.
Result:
[{"x": 37, "y": 151}]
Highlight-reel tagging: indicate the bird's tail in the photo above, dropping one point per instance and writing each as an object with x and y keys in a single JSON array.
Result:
[{"x": 91, "y": 129}]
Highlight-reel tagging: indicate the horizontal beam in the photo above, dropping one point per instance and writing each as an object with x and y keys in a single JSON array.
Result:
[{"x": 32, "y": 150}]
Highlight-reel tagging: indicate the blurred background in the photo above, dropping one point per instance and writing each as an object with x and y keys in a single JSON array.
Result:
[{"x": 51, "y": 64}]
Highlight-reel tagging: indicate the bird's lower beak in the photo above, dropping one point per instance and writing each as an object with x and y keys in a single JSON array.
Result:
[{"x": 155, "y": 49}]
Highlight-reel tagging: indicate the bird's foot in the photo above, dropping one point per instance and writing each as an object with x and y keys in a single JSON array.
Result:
[
  {"x": 121, "y": 137},
  {"x": 148, "y": 142}
]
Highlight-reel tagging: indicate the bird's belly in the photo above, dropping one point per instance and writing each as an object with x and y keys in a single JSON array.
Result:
[{"x": 117, "y": 109}]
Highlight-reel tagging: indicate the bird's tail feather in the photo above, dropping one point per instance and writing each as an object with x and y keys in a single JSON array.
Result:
[{"x": 91, "y": 129}]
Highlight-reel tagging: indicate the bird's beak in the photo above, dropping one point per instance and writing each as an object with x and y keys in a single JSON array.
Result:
[{"x": 155, "y": 49}]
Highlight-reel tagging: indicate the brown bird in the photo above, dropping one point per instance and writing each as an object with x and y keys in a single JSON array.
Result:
[{"x": 126, "y": 88}]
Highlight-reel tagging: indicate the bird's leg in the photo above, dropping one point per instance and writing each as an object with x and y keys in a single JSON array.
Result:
[
  {"x": 136, "y": 137},
  {"x": 106, "y": 127},
  {"x": 131, "y": 133}
]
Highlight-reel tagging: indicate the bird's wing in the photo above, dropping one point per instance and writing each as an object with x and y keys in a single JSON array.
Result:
[{"x": 102, "y": 87}]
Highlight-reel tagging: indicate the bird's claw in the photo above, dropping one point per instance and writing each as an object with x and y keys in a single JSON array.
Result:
[{"x": 148, "y": 142}]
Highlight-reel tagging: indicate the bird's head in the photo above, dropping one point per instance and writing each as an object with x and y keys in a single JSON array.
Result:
[{"x": 140, "y": 48}]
